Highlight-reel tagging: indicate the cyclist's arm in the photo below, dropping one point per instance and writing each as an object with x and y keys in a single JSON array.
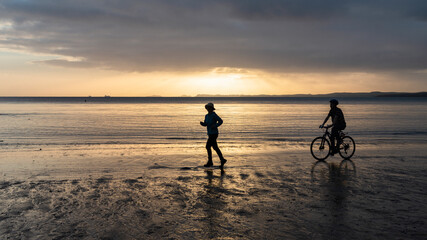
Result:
[{"x": 326, "y": 119}]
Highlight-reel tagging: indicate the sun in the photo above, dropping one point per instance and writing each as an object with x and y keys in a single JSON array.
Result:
[{"x": 221, "y": 82}]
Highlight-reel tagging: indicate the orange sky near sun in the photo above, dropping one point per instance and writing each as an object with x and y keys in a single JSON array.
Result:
[{"x": 22, "y": 75}]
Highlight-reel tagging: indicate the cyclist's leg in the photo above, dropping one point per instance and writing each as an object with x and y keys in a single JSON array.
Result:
[
  {"x": 334, "y": 136},
  {"x": 338, "y": 136}
]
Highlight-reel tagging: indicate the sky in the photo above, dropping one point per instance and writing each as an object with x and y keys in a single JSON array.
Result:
[{"x": 190, "y": 47}]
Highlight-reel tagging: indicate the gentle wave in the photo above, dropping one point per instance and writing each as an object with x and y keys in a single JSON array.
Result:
[{"x": 171, "y": 123}]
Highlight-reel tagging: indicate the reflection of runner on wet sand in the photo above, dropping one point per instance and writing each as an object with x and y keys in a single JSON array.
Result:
[{"x": 214, "y": 204}]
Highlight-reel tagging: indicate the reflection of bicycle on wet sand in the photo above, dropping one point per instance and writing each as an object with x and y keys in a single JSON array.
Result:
[
  {"x": 321, "y": 147},
  {"x": 322, "y": 169}
]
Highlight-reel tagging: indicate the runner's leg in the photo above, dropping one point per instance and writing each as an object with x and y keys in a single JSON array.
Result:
[
  {"x": 215, "y": 146},
  {"x": 208, "y": 148}
]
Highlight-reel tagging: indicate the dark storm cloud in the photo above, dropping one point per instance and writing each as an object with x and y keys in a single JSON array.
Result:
[
  {"x": 287, "y": 35},
  {"x": 290, "y": 9}
]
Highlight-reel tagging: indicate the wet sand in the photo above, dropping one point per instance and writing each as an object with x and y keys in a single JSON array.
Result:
[{"x": 265, "y": 195}]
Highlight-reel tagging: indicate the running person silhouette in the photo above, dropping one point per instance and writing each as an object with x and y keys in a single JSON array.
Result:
[
  {"x": 212, "y": 122},
  {"x": 338, "y": 123}
]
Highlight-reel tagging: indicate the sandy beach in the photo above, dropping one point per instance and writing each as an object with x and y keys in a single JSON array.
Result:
[{"x": 264, "y": 195}]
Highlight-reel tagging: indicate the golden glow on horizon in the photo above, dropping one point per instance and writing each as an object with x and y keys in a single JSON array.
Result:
[{"x": 21, "y": 74}]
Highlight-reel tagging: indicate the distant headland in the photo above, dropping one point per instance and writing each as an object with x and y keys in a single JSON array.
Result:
[{"x": 337, "y": 94}]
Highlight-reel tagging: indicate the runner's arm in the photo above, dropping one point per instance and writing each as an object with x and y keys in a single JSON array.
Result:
[
  {"x": 203, "y": 123},
  {"x": 219, "y": 121}
]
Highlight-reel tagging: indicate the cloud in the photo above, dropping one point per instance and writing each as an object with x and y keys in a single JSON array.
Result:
[
  {"x": 287, "y": 9},
  {"x": 227, "y": 70},
  {"x": 66, "y": 63},
  {"x": 272, "y": 35}
]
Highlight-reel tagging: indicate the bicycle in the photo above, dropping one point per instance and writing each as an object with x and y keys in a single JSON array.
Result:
[{"x": 320, "y": 147}]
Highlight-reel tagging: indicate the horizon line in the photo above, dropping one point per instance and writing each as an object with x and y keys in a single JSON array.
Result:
[{"x": 229, "y": 95}]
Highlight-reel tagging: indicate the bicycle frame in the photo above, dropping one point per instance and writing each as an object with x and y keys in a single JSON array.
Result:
[{"x": 327, "y": 134}]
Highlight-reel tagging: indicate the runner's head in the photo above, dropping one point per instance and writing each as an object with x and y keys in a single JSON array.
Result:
[{"x": 210, "y": 107}]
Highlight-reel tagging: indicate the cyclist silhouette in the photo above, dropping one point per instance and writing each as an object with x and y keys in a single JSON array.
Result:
[{"x": 338, "y": 124}]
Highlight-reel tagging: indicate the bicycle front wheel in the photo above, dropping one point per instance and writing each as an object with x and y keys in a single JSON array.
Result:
[
  {"x": 347, "y": 147},
  {"x": 320, "y": 148}
]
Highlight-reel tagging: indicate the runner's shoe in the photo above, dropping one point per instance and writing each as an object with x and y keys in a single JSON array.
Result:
[
  {"x": 223, "y": 161},
  {"x": 208, "y": 164}
]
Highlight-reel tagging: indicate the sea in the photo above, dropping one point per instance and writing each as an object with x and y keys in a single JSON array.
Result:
[{"x": 250, "y": 124}]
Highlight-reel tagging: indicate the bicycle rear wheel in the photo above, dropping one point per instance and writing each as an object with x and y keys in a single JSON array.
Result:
[
  {"x": 320, "y": 148},
  {"x": 347, "y": 147}
]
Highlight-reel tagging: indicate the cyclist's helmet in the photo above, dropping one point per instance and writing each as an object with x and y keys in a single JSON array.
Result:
[{"x": 334, "y": 101}]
